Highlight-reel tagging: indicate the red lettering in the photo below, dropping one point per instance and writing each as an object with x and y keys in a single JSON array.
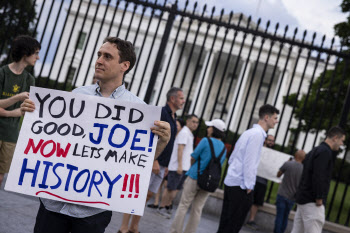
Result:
[
  {"x": 51, "y": 152},
  {"x": 60, "y": 152},
  {"x": 31, "y": 145}
]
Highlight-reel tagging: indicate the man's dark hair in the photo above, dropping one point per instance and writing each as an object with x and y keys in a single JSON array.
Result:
[
  {"x": 172, "y": 92},
  {"x": 267, "y": 109},
  {"x": 335, "y": 131},
  {"x": 23, "y": 46},
  {"x": 181, "y": 121},
  {"x": 217, "y": 133},
  {"x": 190, "y": 116},
  {"x": 126, "y": 51}
]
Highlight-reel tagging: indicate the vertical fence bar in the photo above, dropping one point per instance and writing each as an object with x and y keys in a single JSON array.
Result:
[
  {"x": 342, "y": 203},
  {"x": 59, "y": 43},
  {"x": 150, "y": 53},
  {"x": 87, "y": 43},
  {"x": 198, "y": 60},
  {"x": 76, "y": 47},
  {"x": 123, "y": 16},
  {"x": 142, "y": 47},
  {"x": 38, "y": 20},
  {"x": 217, "y": 64},
  {"x": 316, "y": 99},
  {"x": 307, "y": 98},
  {"x": 131, "y": 21},
  {"x": 68, "y": 42},
  {"x": 95, "y": 45},
  {"x": 113, "y": 17},
  {"x": 291, "y": 82},
  {"x": 160, "y": 53},
  {"x": 49, "y": 45}
]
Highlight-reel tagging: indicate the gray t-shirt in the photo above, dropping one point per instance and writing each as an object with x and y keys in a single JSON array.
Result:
[{"x": 292, "y": 171}]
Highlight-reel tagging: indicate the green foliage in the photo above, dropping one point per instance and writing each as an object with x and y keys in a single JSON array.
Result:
[
  {"x": 16, "y": 18},
  {"x": 342, "y": 29},
  {"x": 322, "y": 99},
  {"x": 344, "y": 173},
  {"x": 44, "y": 82}
]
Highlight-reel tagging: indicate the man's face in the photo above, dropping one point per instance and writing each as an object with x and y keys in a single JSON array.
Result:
[
  {"x": 178, "y": 100},
  {"x": 107, "y": 66},
  {"x": 192, "y": 123},
  {"x": 270, "y": 141},
  {"x": 271, "y": 120},
  {"x": 30, "y": 60},
  {"x": 338, "y": 142}
]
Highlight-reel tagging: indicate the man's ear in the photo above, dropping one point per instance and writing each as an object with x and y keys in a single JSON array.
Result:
[{"x": 125, "y": 66}]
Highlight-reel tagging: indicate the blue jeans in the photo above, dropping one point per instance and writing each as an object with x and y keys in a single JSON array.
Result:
[{"x": 283, "y": 206}]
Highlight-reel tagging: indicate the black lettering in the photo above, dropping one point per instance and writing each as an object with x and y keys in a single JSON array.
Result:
[
  {"x": 61, "y": 127},
  {"x": 71, "y": 107},
  {"x": 111, "y": 154},
  {"x": 132, "y": 157},
  {"x": 75, "y": 133},
  {"x": 98, "y": 110},
  {"x": 46, "y": 128},
  {"x": 131, "y": 116},
  {"x": 123, "y": 157},
  {"x": 41, "y": 101},
  {"x": 63, "y": 109},
  {"x": 75, "y": 150},
  {"x": 117, "y": 117},
  {"x": 141, "y": 160},
  {"x": 83, "y": 152},
  {"x": 40, "y": 128}
]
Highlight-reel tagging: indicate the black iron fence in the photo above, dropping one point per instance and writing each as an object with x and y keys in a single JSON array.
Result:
[{"x": 227, "y": 65}]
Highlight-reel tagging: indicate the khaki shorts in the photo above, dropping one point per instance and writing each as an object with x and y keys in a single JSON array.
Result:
[{"x": 6, "y": 153}]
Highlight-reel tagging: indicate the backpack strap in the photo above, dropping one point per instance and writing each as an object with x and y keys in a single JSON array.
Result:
[{"x": 213, "y": 153}]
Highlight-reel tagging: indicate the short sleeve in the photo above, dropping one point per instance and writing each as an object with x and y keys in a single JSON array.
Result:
[
  {"x": 284, "y": 167},
  {"x": 199, "y": 149},
  {"x": 182, "y": 137}
]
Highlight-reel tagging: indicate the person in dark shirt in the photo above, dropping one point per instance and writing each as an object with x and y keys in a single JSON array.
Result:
[
  {"x": 175, "y": 101},
  {"x": 15, "y": 82},
  {"x": 315, "y": 180}
]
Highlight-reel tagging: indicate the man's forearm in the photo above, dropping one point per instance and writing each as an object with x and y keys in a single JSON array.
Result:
[
  {"x": 13, "y": 113},
  {"x": 5, "y": 103}
]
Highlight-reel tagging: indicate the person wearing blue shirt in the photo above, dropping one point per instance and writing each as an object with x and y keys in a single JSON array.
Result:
[
  {"x": 192, "y": 194},
  {"x": 242, "y": 170}
]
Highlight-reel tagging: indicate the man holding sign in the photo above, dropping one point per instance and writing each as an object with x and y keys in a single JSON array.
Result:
[{"x": 116, "y": 57}]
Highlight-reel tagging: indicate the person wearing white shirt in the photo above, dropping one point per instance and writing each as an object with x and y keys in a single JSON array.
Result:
[
  {"x": 242, "y": 170},
  {"x": 180, "y": 163}
]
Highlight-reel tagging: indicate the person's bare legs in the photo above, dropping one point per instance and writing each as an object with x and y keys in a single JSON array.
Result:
[
  {"x": 1, "y": 178},
  {"x": 168, "y": 197},
  {"x": 134, "y": 225},
  {"x": 125, "y": 223},
  {"x": 253, "y": 211}
]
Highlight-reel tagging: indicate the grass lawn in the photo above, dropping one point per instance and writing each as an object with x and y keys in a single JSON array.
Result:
[{"x": 344, "y": 212}]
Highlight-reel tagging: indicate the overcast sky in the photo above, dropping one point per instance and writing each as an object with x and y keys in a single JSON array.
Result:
[{"x": 313, "y": 15}]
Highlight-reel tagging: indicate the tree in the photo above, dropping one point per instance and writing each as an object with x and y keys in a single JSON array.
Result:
[
  {"x": 16, "y": 18},
  {"x": 322, "y": 107}
]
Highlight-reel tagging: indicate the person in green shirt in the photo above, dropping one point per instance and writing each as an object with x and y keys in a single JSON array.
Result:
[{"x": 15, "y": 82}]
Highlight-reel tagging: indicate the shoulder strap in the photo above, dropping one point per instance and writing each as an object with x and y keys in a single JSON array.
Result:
[{"x": 211, "y": 148}]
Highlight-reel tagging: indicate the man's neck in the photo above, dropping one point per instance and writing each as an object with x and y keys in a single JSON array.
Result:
[
  {"x": 329, "y": 143},
  {"x": 173, "y": 109},
  {"x": 17, "y": 67},
  {"x": 263, "y": 125},
  {"x": 108, "y": 87}
]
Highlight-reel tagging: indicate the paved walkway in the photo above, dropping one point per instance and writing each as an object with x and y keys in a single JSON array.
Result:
[{"x": 17, "y": 214}]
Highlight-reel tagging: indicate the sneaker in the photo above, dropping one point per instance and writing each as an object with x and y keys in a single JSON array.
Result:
[
  {"x": 164, "y": 213},
  {"x": 153, "y": 206},
  {"x": 252, "y": 225},
  {"x": 169, "y": 211}
]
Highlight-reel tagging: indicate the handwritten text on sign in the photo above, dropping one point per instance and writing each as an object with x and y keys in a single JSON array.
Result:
[{"x": 85, "y": 150}]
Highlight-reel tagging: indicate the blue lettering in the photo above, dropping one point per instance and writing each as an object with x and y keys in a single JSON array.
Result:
[
  {"x": 59, "y": 179},
  {"x": 27, "y": 170},
  {"x": 95, "y": 183},
  {"x": 77, "y": 178},
  {"x": 136, "y": 139},
  {"x": 127, "y": 135},
  {"x": 99, "y": 138},
  {"x": 111, "y": 183},
  {"x": 43, "y": 183},
  {"x": 71, "y": 169}
]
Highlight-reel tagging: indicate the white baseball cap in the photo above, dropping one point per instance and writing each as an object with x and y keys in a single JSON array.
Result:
[{"x": 217, "y": 123}]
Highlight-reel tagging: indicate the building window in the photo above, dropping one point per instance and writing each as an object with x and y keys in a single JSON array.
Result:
[
  {"x": 81, "y": 40},
  {"x": 70, "y": 75}
]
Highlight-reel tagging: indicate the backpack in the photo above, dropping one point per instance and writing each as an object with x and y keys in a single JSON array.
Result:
[{"x": 210, "y": 178}]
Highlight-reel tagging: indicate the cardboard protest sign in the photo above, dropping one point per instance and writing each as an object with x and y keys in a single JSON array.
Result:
[
  {"x": 270, "y": 162},
  {"x": 85, "y": 150}
]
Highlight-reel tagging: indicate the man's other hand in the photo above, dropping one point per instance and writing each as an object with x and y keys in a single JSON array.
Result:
[{"x": 27, "y": 106}]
